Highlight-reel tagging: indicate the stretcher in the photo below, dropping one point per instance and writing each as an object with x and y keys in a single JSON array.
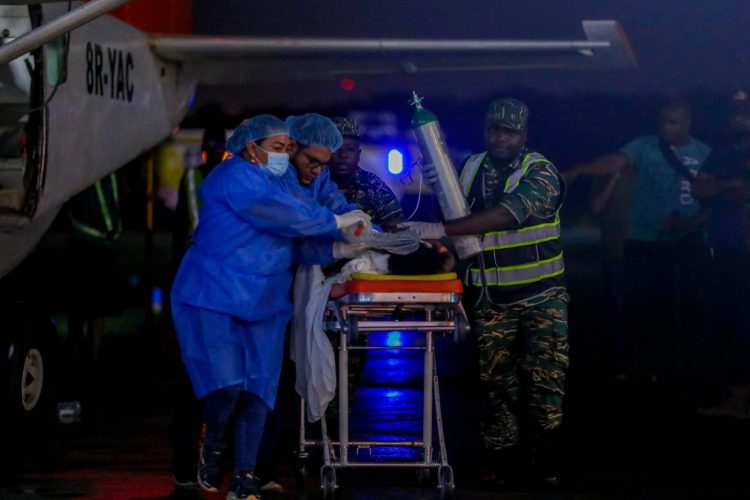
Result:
[{"x": 379, "y": 303}]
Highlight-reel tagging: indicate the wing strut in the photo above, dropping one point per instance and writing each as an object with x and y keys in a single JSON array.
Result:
[{"x": 57, "y": 27}]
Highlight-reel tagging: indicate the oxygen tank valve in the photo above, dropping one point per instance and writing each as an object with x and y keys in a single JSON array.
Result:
[{"x": 416, "y": 101}]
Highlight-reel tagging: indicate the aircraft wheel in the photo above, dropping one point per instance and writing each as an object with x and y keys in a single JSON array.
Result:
[{"x": 30, "y": 398}]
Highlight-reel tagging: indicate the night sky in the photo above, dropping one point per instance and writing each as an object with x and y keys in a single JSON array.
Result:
[{"x": 681, "y": 45}]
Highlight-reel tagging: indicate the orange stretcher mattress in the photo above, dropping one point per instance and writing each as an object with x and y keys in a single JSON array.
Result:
[{"x": 385, "y": 283}]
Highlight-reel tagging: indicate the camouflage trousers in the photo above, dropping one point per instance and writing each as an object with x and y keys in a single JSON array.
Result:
[{"x": 523, "y": 358}]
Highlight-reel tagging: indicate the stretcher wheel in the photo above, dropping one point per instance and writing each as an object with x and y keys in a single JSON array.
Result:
[
  {"x": 446, "y": 485},
  {"x": 425, "y": 478},
  {"x": 328, "y": 482},
  {"x": 461, "y": 327}
]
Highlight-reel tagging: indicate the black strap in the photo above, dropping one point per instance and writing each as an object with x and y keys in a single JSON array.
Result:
[{"x": 673, "y": 161}]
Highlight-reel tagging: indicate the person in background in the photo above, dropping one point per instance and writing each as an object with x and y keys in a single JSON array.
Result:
[
  {"x": 610, "y": 201},
  {"x": 518, "y": 291},
  {"x": 169, "y": 171},
  {"x": 360, "y": 187},
  {"x": 663, "y": 241},
  {"x": 230, "y": 298},
  {"x": 188, "y": 203},
  {"x": 95, "y": 226},
  {"x": 724, "y": 186},
  {"x": 187, "y": 420}
]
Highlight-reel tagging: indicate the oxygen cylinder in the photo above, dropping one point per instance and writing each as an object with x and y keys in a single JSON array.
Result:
[{"x": 447, "y": 188}]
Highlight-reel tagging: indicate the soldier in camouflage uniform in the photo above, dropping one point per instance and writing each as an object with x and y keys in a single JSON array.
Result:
[
  {"x": 359, "y": 186},
  {"x": 517, "y": 287}
]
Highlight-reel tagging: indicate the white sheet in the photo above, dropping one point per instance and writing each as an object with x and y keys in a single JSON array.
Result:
[{"x": 311, "y": 350}]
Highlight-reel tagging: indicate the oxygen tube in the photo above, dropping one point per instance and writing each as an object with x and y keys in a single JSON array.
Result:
[{"x": 450, "y": 197}]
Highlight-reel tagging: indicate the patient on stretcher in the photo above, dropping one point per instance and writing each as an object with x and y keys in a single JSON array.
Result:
[
  {"x": 311, "y": 349},
  {"x": 430, "y": 258}
]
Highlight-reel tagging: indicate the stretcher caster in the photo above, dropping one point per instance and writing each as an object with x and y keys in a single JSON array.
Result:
[
  {"x": 425, "y": 478},
  {"x": 328, "y": 482},
  {"x": 446, "y": 485},
  {"x": 462, "y": 326},
  {"x": 300, "y": 477}
]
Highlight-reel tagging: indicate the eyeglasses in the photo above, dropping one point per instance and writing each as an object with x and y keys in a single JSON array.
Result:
[{"x": 313, "y": 162}]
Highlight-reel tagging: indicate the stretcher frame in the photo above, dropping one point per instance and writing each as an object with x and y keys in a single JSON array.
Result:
[{"x": 361, "y": 312}]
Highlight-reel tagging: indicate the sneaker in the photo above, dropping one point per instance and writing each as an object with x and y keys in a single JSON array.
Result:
[
  {"x": 209, "y": 470},
  {"x": 271, "y": 487},
  {"x": 185, "y": 467},
  {"x": 244, "y": 486},
  {"x": 184, "y": 481}
]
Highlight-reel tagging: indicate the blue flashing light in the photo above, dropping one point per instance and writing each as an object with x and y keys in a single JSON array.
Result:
[
  {"x": 393, "y": 339},
  {"x": 395, "y": 161}
]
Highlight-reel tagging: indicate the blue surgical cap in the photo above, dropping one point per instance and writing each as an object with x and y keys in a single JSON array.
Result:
[
  {"x": 254, "y": 129},
  {"x": 313, "y": 129}
]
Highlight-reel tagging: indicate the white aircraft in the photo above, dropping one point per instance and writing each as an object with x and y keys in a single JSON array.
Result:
[{"x": 82, "y": 92}]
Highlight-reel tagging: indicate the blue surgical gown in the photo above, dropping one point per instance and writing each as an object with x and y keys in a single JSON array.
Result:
[
  {"x": 325, "y": 191},
  {"x": 234, "y": 281}
]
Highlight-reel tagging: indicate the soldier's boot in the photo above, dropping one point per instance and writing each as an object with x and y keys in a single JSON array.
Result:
[
  {"x": 502, "y": 468},
  {"x": 543, "y": 460}
]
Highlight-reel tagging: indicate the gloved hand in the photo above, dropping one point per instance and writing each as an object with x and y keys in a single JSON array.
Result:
[
  {"x": 344, "y": 250},
  {"x": 427, "y": 230},
  {"x": 352, "y": 218},
  {"x": 429, "y": 172}
]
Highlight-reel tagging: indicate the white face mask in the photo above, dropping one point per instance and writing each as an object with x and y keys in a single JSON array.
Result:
[{"x": 277, "y": 162}]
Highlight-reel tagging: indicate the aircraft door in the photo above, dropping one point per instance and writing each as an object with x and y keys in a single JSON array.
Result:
[{"x": 21, "y": 109}]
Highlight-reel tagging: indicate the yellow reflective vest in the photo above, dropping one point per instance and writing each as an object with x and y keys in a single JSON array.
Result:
[{"x": 521, "y": 262}]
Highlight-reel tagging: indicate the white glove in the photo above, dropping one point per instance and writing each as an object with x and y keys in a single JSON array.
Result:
[
  {"x": 427, "y": 230},
  {"x": 351, "y": 218},
  {"x": 429, "y": 172},
  {"x": 344, "y": 250}
]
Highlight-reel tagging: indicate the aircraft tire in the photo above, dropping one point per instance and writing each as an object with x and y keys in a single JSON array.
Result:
[{"x": 30, "y": 392}]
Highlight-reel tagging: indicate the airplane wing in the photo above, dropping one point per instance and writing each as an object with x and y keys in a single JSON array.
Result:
[{"x": 234, "y": 60}]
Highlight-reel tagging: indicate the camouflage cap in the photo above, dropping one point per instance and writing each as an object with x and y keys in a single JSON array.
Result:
[
  {"x": 507, "y": 112},
  {"x": 347, "y": 126}
]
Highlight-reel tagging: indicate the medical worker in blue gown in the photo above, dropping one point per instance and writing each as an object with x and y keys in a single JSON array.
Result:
[
  {"x": 315, "y": 139},
  {"x": 230, "y": 298}
]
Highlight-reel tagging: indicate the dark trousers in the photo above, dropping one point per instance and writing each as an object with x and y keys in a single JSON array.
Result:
[
  {"x": 247, "y": 411},
  {"x": 727, "y": 340},
  {"x": 664, "y": 296},
  {"x": 613, "y": 272}
]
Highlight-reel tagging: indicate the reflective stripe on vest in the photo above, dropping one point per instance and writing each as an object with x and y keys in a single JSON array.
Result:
[
  {"x": 524, "y": 236},
  {"x": 521, "y": 274},
  {"x": 470, "y": 170},
  {"x": 110, "y": 230},
  {"x": 191, "y": 183}
]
